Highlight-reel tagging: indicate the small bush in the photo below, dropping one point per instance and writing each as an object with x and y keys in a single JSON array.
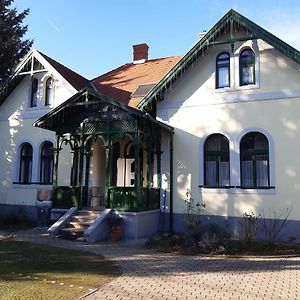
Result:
[
  {"x": 273, "y": 225},
  {"x": 249, "y": 227},
  {"x": 213, "y": 238}
]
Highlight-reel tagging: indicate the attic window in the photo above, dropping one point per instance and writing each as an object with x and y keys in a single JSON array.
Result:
[
  {"x": 247, "y": 67},
  {"x": 49, "y": 92},
  {"x": 142, "y": 90},
  {"x": 223, "y": 70},
  {"x": 34, "y": 88}
]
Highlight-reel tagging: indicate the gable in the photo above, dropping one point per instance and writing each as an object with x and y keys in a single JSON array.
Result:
[
  {"x": 36, "y": 62},
  {"x": 231, "y": 23}
]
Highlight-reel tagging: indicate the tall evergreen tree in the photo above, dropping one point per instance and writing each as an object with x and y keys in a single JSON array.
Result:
[{"x": 12, "y": 46}]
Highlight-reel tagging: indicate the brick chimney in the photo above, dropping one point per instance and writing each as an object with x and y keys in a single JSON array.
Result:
[{"x": 140, "y": 53}]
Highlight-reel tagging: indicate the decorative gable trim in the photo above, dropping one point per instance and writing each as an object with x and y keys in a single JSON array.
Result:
[
  {"x": 228, "y": 23},
  {"x": 26, "y": 67}
]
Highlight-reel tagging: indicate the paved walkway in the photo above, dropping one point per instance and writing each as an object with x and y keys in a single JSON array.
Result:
[{"x": 151, "y": 275}]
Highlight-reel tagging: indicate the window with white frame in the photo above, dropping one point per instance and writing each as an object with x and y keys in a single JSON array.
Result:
[
  {"x": 247, "y": 67},
  {"x": 49, "y": 91},
  {"x": 47, "y": 157},
  {"x": 34, "y": 90},
  {"x": 216, "y": 161},
  {"x": 223, "y": 70},
  {"x": 254, "y": 161},
  {"x": 25, "y": 170}
]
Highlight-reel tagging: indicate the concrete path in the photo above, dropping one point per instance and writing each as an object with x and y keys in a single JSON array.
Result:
[{"x": 151, "y": 275}]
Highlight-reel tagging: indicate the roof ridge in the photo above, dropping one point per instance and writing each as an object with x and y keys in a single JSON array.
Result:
[{"x": 131, "y": 63}]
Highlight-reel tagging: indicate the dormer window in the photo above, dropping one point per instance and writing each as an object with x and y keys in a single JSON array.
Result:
[
  {"x": 247, "y": 67},
  {"x": 223, "y": 70},
  {"x": 49, "y": 92},
  {"x": 34, "y": 89}
]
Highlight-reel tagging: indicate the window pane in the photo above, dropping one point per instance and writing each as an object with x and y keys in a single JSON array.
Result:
[
  {"x": 211, "y": 173},
  {"x": 247, "y": 67},
  {"x": 224, "y": 173},
  {"x": 25, "y": 163},
  {"x": 223, "y": 70},
  {"x": 247, "y": 173},
  {"x": 216, "y": 160},
  {"x": 217, "y": 142},
  {"x": 49, "y": 91},
  {"x": 34, "y": 89},
  {"x": 254, "y": 149},
  {"x": 262, "y": 177},
  {"x": 47, "y": 159},
  {"x": 223, "y": 77},
  {"x": 254, "y": 141}
]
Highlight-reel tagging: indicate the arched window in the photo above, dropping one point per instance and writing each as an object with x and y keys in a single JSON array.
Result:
[
  {"x": 247, "y": 67},
  {"x": 25, "y": 163},
  {"x": 49, "y": 92},
  {"x": 223, "y": 70},
  {"x": 47, "y": 158},
  {"x": 216, "y": 161},
  {"x": 254, "y": 155},
  {"x": 34, "y": 89}
]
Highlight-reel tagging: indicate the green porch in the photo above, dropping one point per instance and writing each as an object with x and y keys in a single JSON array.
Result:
[{"x": 114, "y": 153}]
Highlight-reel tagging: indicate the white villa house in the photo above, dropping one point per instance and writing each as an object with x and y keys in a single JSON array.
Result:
[{"x": 219, "y": 125}]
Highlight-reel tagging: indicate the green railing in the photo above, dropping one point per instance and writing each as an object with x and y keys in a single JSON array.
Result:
[
  {"x": 119, "y": 198},
  {"x": 133, "y": 199},
  {"x": 67, "y": 197}
]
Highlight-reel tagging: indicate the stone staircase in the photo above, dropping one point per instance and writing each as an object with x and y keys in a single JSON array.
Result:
[{"x": 75, "y": 228}]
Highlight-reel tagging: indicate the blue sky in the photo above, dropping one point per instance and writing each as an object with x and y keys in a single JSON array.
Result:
[{"x": 95, "y": 36}]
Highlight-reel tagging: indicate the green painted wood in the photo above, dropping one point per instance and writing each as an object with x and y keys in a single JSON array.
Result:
[
  {"x": 66, "y": 197},
  {"x": 107, "y": 173},
  {"x": 56, "y": 158},
  {"x": 134, "y": 199}
]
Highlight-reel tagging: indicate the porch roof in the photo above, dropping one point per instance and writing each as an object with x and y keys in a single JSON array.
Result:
[{"x": 79, "y": 105}]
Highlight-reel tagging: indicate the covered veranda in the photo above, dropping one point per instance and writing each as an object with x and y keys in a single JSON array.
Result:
[{"x": 107, "y": 155}]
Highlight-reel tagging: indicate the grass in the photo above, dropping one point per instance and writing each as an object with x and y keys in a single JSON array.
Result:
[{"x": 29, "y": 271}]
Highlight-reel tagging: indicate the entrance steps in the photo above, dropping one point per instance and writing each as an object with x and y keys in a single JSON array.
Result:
[{"x": 77, "y": 225}]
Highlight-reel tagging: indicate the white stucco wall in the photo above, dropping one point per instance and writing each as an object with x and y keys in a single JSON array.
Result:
[
  {"x": 196, "y": 109},
  {"x": 16, "y": 119}
]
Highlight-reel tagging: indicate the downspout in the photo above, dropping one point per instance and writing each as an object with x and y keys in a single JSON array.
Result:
[{"x": 171, "y": 180}]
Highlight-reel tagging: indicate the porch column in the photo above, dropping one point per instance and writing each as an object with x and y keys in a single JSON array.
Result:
[
  {"x": 74, "y": 169},
  {"x": 56, "y": 156},
  {"x": 149, "y": 150},
  {"x": 107, "y": 172},
  {"x": 137, "y": 165},
  {"x": 158, "y": 157},
  {"x": 80, "y": 173},
  {"x": 88, "y": 155}
]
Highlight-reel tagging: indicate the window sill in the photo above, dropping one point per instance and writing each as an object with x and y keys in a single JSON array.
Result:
[
  {"x": 223, "y": 90},
  {"x": 32, "y": 185},
  {"x": 247, "y": 87},
  {"x": 217, "y": 190},
  {"x": 236, "y": 190}
]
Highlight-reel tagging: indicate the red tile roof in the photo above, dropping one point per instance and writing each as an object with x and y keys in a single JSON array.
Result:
[
  {"x": 120, "y": 83},
  {"x": 76, "y": 80}
]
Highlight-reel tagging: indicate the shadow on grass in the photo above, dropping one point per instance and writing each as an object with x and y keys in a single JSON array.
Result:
[{"x": 21, "y": 259}]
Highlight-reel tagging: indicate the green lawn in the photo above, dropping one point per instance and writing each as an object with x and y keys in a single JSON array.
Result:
[{"x": 29, "y": 271}]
